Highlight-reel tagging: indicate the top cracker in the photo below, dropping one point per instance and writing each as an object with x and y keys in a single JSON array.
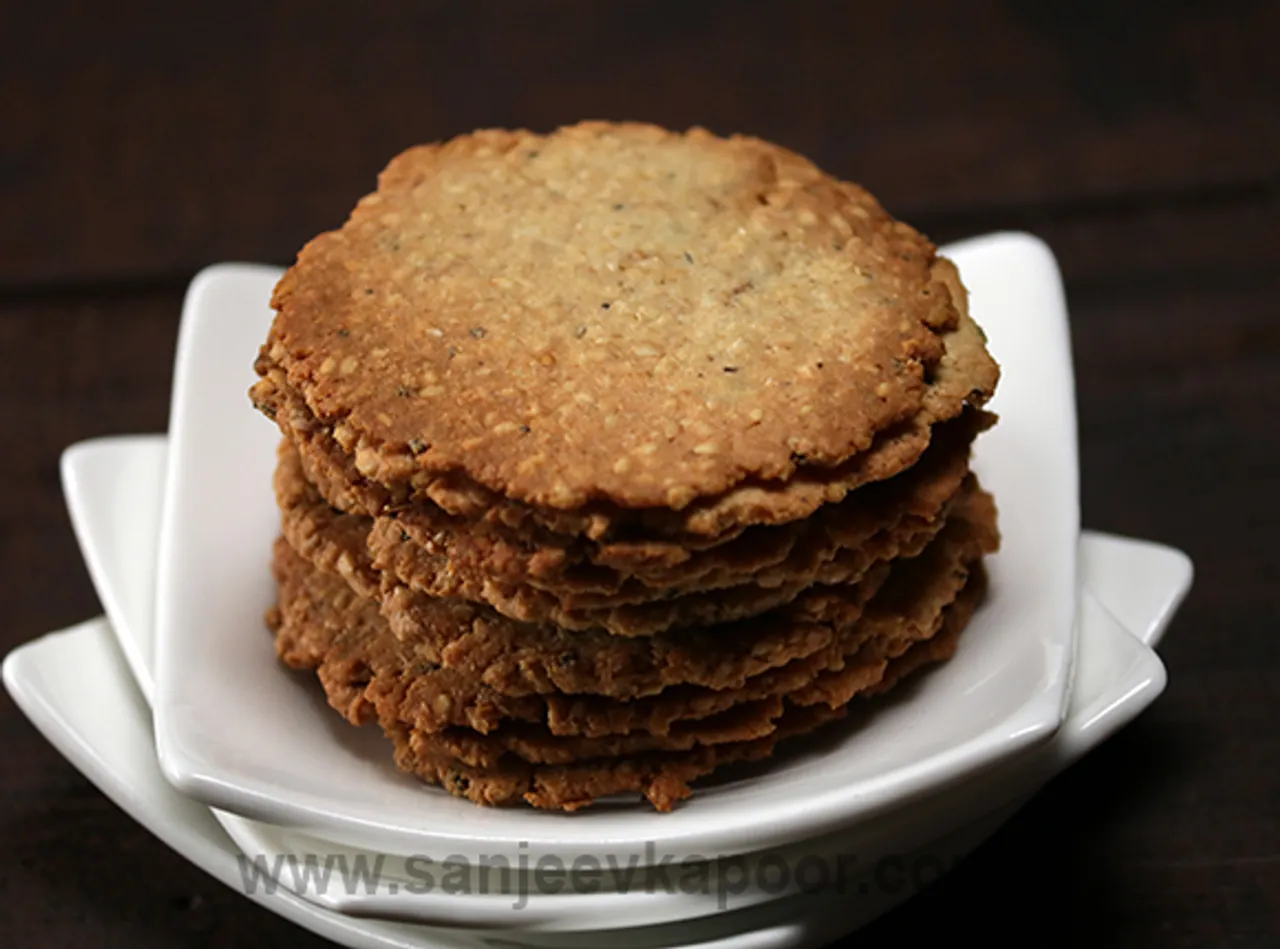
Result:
[{"x": 612, "y": 313}]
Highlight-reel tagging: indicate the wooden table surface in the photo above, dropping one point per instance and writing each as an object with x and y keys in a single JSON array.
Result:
[{"x": 141, "y": 141}]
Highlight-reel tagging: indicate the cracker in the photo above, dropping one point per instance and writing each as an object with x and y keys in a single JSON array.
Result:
[
  {"x": 581, "y": 584},
  {"x": 838, "y": 548},
  {"x": 663, "y": 779},
  {"x": 610, "y": 315},
  {"x": 324, "y": 625},
  {"x": 517, "y": 658},
  {"x": 963, "y": 381},
  {"x": 601, "y": 312}
]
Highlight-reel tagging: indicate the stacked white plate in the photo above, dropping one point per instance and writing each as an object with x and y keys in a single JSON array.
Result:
[{"x": 175, "y": 706}]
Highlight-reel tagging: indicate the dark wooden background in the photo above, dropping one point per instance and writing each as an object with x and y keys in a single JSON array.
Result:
[{"x": 141, "y": 141}]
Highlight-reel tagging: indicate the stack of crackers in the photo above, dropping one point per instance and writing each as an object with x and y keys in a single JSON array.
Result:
[{"x": 614, "y": 456}]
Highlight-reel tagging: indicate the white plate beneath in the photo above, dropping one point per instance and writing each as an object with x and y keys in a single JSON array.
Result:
[
  {"x": 110, "y": 491},
  {"x": 74, "y": 687},
  {"x": 240, "y": 733}
]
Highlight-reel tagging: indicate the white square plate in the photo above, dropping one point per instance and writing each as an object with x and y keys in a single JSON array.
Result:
[
  {"x": 110, "y": 487},
  {"x": 236, "y": 730},
  {"x": 73, "y": 685}
]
